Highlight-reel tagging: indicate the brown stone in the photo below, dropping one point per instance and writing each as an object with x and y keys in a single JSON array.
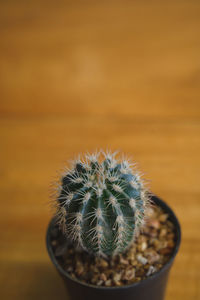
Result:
[
  {"x": 165, "y": 251},
  {"x": 123, "y": 261},
  {"x": 117, "y": 277},
  {"x": 103, "y": 263},
  {"x": 155, "y": 224},
  {"x": 129, "y": 274},
  {"x": 103, "y": 277},
  {"x": 163, "y": 232},
  {"x": 108, "y": 282},
  {"x": 163, "y": 218},
  {"x": 152, "y": 256}
]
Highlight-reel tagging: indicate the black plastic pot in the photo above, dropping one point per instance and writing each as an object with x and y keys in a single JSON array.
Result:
[{"x": 152, "y": 288}]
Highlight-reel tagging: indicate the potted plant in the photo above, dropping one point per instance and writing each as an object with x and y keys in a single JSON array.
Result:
[{"x": 110, "y": 237}]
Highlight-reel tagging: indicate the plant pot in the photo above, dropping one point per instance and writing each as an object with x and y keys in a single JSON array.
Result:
[{"x": 151, "y": 288}]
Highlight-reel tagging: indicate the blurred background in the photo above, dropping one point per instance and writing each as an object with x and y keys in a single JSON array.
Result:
[{"x": 80, "y": 75}]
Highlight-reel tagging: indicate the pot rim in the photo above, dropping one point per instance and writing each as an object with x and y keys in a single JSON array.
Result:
[{"x": 173, "y": 218}]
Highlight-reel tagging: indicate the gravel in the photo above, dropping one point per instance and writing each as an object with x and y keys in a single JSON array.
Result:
[{"x": 151, "y": 250}]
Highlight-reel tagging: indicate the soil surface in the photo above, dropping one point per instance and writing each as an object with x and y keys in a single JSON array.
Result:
[{"x": 151, "y": 250}]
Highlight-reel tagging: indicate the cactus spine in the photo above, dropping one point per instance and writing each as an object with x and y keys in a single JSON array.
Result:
[{"x": 101, "y": 204}]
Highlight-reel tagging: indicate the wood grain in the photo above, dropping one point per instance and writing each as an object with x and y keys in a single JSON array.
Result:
[{"x": 81, "y": 75}]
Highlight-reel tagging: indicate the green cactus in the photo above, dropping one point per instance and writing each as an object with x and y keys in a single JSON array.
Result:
[{"x": 101, "y": 204}]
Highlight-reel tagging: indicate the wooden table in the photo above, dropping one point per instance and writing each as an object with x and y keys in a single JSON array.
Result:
[{"x": 81, "y": 75}]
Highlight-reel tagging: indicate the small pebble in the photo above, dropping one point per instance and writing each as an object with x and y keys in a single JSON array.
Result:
[
  {"x": 61, "y": 250},
  {"x": 155, "y": 224},
  {"x": 152, "y": 256},
  {"x": 163, "y": 232},
  {"x": 108, "y": 282},
  {"x": 170, "y": 244},
  {"x": 100, "y": 282},
  {"x": 165, "y": 251},
  {"x": 103, "y": 277},
  {"x": 103, "y": 263},
  {"x": 129, "y": 274},
  {"x": 151, "y": 270},
  {"x": 143, "y": 246},
  {"x": 117, "y": 277},
  {"x": 54, "y": 243},
  {"x": 141, "y": 259},
  {"x": 79, "y": 268},
  {"x": 123, "y": 261},
  {"x": 163, "y": 217}
]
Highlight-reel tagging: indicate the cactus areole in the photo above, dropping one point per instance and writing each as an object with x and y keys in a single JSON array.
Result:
[{"x": 101, "y": 203}]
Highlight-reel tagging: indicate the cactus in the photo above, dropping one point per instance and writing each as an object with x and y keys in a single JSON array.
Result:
[{"x": 101, "y": 204}]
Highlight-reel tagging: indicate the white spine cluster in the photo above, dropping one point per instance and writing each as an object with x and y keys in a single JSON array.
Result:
[
  {"x": 117, "y": 188},
  {"x": 113, "y": 202},
  {"x": 121, "y": 228},
  {"x": 61, "y": 218},
  {"x": 134, "y": 184},
  {"x": 132, "y": 203},
  {"x": 74, "y": 227},
  {"x": 86, "y": 197}
]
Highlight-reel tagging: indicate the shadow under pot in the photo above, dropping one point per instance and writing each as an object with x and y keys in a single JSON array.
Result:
[{"x": 150, "y": 288}]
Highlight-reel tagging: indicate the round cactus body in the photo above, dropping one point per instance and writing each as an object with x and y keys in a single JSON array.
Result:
[{"x": 101, "y": 204}]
